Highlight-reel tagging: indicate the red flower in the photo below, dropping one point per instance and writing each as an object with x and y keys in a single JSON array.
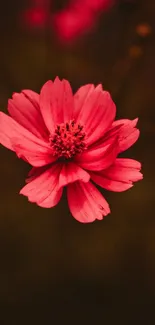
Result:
[{"x": 70, "y": 141}]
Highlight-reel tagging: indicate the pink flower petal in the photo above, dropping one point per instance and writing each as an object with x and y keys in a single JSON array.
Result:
[
  {"x": 26, "y": 145},
  {"x": 70, "y": 173},
  {"x": 97, "y": 114},
  {"x": 36, "y": 155},
  {"x": 85, "y": 202},
  {"x": 39, "y": 188},
  {"x": 81, "y": 97},
  {"x": 24, "y": 108},
  {"x": 35, "y": 172},
  {"x": 121, "y": 122},
  {"x": 45, "y": 105},
  {"x": 99, "y": 156},
  {"x": 33, "y": 97},
  {"x": 120, "y": 176},
  {"x": 43, "y": 190},
  {"x": 56, "y": 103},
  {"x": 127, "y": 132},
  {"x": 10, "y": 129},
  {"x": 126, "y": 170}
]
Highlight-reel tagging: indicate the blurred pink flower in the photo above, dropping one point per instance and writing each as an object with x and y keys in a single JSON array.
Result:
[
  {"x": 78, "y": 17},
  {"x": 38, "y": 14},
  {"x": 36, "y": 17},
  {"x": 70, "y": 140},
  {"x": 72, "y": 23}
]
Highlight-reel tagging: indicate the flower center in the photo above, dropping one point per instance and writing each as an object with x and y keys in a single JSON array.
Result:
[{"x": 68, "y": 140}]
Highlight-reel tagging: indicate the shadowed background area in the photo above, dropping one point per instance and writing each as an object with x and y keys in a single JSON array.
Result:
[{"x": 52, "y": 268}]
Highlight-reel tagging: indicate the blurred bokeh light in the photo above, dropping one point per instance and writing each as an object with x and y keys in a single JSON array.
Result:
[{"x": 70, "y": 22}]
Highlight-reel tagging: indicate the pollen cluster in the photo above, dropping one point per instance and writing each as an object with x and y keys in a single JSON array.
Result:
[{"x": 68, "y": 140}]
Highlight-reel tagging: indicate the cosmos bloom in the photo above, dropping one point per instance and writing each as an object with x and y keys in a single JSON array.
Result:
[{"x": 71, "y": 141}]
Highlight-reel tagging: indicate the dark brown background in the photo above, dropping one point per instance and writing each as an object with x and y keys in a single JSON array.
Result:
[{"x": 53, "y": 269}]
